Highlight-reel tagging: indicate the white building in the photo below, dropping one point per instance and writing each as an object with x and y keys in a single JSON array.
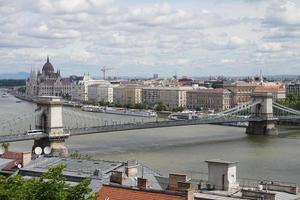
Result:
[
  {"x": 80, "y": 90},
  {"x": 100, "y": 92}
]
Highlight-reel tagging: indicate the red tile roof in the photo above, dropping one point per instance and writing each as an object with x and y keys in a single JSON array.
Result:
[
  {"x": 123, "y": 193},
  {"x": 270, "y": 88}
]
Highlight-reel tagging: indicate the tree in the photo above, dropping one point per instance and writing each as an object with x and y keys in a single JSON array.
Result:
[
  {"x": 5, "y": 146},
  {"x": 77, "y": 155},
  {"x": 140, "y": 106},
  {"x": 22, "y": 90},
  {"x": 178, "y": 109},
  {"x": 160, "y": 106},
  {"x": 50, "y": 186},
  {"x": 291, "y": 101}
]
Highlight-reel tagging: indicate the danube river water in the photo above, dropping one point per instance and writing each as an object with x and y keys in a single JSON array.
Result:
[{"x": 184, "y": 149}]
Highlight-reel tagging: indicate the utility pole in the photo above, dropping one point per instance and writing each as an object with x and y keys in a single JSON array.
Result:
[{"x": 104, "y": 69}]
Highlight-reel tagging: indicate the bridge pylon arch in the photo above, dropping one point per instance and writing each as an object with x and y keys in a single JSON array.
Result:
[
  {"x": 50, "y": 121},
  {"x": 264, "y": 111}
]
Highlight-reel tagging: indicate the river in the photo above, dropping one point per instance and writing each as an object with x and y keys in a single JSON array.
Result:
[{"x": 184, "y": 149}]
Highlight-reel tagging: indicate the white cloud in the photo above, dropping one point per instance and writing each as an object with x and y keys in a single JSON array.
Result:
[
  {"x": 148, "y": 36},
  {"x": 226, "y": 61},
  {"x": 283, "y": 13},
  {"x": 70, "y": 7},
  {"x": 270, "y": 47}
]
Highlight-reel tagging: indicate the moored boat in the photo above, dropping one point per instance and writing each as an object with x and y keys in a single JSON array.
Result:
[{"x": 184, "y": 115}]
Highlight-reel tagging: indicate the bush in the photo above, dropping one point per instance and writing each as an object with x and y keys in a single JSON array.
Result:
[{"x": 50, "y": 186}]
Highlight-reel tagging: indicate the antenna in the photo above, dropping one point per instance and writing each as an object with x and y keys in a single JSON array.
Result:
[
  {"x": 38, "y": 151},
  {"x": 104, "y": 69},
  {"x": 47, "y": 150}
]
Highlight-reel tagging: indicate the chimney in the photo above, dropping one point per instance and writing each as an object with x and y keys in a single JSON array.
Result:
[
  {"x": 142, "y": 183},
  {"x": 183, "y": 186},
  {"x": 174, "y": 179},
  {"x": 116, "y": 177},
  {"x": 132, "y": 168},
  {"x": 26, "y": 158}
]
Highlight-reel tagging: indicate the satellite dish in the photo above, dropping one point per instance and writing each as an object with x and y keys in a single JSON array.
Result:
[
  {"x": 1, "y": 150},
  {"x": 19, "y": 166},
  {"x": 47, "y": 150},
  {"x": 38, "y": 150}
]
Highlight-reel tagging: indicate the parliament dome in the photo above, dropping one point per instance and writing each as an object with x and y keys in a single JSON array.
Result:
[{"x": 47, "y": 68}]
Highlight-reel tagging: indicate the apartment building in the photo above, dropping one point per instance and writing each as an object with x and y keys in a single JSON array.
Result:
[
  {"x": 80, "y": 88},
  {"x": 209, "y": 99},
  {"x": 241, "y": 91},
  {"x": 293, "y": 88},
  {"x": 100, "y": 92},
  {"x": 127, "y": 94},
  {"x": 172, "y": 97}
]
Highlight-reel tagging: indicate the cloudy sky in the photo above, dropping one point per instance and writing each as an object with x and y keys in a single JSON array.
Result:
[{"x": 139, "y": 38}]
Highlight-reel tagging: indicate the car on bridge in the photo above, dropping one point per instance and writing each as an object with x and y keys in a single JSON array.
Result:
[{"x": 34, "y": 132}]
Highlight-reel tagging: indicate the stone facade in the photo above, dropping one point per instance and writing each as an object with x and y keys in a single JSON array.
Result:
[
  {"x": 100, "y": 92},
  {"x": 172, "y": 97},
  {"x": 293, "y": 88},
  {"x": 209, "y": 99},
  {"x": 129, "y": 94},
  {"x": 47, "y": 83},
  {"x": 80, "y": 88},
  {"x": 241, "y": 91}
]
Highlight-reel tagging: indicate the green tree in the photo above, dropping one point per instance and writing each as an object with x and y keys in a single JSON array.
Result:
[
  {"x": 5, "y": 146},
  {"x": 77, "y": 155},
  {"x": 50, "y": 186},
  {"x": 160, "y": 106},
  {"x": 178, "y": 109},
  {"x": 140, "y": 106},
  {"x": 22, "y": 89},
  {"x": 291, "y": 101}
]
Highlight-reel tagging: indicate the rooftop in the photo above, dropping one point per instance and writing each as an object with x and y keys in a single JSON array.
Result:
[
  {"x": 98, "y": 171},
  {"x": 220, "y": 161}
]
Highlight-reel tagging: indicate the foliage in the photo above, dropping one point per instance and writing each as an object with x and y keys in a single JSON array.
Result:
[
  {"x": 103, "y": 103},
  {"x": 50, "y": 186},
  {"x": 11, "y": 82},
  {"x": 66, "y": 96},
  {"x": 77, "y": 155},
  {"x": 178, "y": 109},
  {"x": 160, "y": 107},
  {"x": 5, "y": 146},
  {"x": 22, "y": 90},
  {"x": 291, "y": 101},
  {"x": 140, "y": 106}
]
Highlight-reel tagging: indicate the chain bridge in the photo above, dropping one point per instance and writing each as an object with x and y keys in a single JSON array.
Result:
[{"x": 57, "y": 124}]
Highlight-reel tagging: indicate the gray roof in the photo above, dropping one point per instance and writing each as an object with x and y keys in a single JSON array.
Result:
[
  {"x": 220, "y": 161},
  {"x": 4, "y": 162},
  {"x": 220, "y": 195},
  {"x": 98, "y": 171}
]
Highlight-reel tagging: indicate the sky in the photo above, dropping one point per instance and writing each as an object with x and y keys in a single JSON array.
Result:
[{"x": 140, "y": 38}]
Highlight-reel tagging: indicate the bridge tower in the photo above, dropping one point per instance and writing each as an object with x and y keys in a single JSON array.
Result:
[
  {"x": 264, "y": 111},
  {"x": 49, "y": 119}
]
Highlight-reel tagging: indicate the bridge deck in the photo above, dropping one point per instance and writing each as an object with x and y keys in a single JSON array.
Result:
[
  {"x": 147, "y": 125},
  {"x": 129, "y": 126}
]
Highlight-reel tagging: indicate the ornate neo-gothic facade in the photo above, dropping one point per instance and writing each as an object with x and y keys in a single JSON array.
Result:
[{"x": 47, "y": 83}]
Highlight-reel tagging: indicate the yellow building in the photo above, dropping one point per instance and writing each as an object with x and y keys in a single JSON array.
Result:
[{"x": 129, "y": 94}]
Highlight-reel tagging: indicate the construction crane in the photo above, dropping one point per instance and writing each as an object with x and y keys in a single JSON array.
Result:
[{"x": 104, "y": 69}]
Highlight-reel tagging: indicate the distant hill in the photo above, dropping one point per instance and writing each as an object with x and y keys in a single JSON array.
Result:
[{"x": 17, "y": 75}]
